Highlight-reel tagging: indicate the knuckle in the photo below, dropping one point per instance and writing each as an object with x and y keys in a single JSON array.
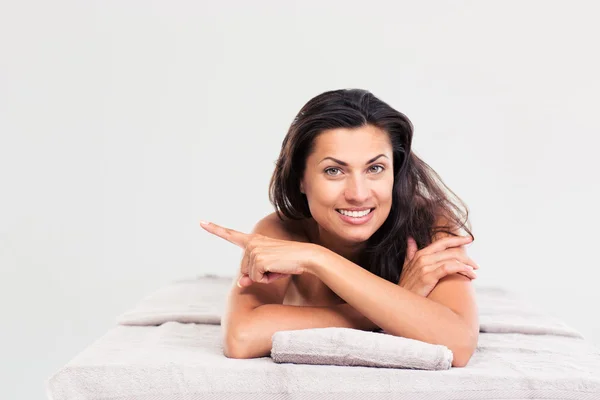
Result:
[
  {"x": 254, "y": 275},
  {"x": 423, "y": 260},
  {"x": 455, "y": 251},
  {"x": 254, "y": 250},
  {"x": 252, "y": 257},
  {"x": 426, "y": 269}
]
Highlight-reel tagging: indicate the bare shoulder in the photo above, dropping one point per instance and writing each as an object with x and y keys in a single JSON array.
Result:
[
  {"x": 286, "y": 229},
  {"x": 252, "y": 296}
]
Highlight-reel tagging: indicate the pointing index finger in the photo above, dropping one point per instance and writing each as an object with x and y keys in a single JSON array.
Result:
[{"x": 231, "y": 235}]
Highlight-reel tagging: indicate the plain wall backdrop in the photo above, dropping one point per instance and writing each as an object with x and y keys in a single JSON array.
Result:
[{"x": 124, "y": 123}]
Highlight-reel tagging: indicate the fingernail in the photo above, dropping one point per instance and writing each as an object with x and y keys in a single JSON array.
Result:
[
  {"x": 238, "y": 283},
  {"x": 204, "y": 222}
]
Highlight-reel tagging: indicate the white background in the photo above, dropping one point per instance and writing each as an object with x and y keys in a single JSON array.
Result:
[{"x": 123, "y": 123}]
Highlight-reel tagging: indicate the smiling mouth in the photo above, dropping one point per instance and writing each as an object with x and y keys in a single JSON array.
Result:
[{"x": 355, "y": 214}]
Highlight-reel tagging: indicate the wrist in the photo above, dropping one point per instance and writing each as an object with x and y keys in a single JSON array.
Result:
[{"x": 317, "y": 260}]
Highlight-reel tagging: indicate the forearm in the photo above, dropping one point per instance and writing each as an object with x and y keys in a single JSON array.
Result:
[
  {"x": 396, "y": 310},
  {"x": 253, "y": 337},
  {"x": 359, "y": 321}
]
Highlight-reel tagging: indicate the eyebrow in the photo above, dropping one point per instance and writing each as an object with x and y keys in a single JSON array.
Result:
[{"x": 346, "y": 164}]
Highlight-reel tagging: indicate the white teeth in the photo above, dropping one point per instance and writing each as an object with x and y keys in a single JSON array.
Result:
[{"x": 355, "y": 214}]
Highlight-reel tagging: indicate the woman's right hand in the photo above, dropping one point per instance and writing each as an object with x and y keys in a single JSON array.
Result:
[{"x": 424, "y": 268}]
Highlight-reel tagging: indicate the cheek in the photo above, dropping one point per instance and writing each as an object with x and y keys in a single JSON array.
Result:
[
  {"x": 324, "y": 195},
  {"x": 385, "y": 190}
]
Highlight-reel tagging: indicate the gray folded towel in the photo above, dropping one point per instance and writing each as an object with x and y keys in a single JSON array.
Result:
[
  {"x": 352, "y": 347},
  {"x": 198, "y": 300}
]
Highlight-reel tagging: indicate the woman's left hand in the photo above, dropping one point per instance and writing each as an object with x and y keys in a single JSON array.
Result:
[{"x": 266, "y": 259}]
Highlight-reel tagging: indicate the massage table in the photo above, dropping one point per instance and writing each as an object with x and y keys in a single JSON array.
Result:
[{"x": 169, "y": 347}]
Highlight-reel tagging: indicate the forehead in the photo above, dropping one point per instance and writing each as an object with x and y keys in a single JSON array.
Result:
[{"x": 359, "y": 142}]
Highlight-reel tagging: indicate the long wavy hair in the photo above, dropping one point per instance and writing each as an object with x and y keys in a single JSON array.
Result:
[{"x": 420, "y": 198}]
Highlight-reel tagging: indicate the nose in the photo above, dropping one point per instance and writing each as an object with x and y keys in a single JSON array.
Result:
[{"x": 357, "y": 190}]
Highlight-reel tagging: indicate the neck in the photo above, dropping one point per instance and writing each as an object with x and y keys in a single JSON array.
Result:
[{"x": 350, "y": 251}]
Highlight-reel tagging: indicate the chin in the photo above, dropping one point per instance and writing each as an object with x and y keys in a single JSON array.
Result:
[{"x": 359, "y": 235}]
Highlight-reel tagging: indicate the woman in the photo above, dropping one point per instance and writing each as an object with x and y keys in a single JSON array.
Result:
[{"x": 363, "y": 236}]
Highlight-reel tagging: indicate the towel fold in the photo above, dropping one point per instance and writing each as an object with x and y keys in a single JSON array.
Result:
[
  {"x": 198, "y": 300},
  {"x": 352, "y": 347},
  {"x": 538, "y": 325}
]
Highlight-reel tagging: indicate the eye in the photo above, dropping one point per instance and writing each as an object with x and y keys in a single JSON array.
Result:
[
  {"x": 329, "y": 169},
  {"x": 379, "y": 166}
]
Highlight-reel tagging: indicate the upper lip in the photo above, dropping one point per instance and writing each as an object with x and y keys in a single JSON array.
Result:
[{"x": 356, "y": 208}]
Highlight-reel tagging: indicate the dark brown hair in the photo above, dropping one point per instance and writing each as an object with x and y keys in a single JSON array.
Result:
[{"x": 419, "y": 198}]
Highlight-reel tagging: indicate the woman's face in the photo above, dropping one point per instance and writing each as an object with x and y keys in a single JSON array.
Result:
[{"x": 365, "y": 182}]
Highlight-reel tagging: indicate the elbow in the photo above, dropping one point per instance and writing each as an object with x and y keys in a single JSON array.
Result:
[
  {"x": 462, "y": 354},
  {"x": 232, "y": 349},
  {"x": 241, "y": 346},
  {"x": 233, "y": 346},
  {"x": 461, "y": 358},
  {"x": 243, "y": 339},
  {"x": 236, "y": 353}
]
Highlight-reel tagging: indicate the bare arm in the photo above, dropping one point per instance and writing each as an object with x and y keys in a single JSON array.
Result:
[
  {"x": 254, "y": 313},
  {"x": 263, "y": 321},
  {"x": 399, "y": 311}
]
